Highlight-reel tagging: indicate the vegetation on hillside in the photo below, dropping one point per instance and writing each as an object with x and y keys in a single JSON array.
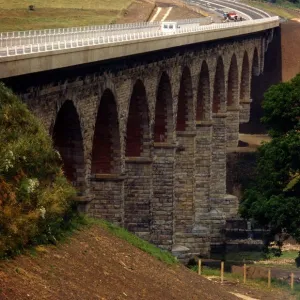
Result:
[
  {"x": 274, "y": 197},
  {"x": 277, "y": 9},
  {"x": 34, "y": 194}
]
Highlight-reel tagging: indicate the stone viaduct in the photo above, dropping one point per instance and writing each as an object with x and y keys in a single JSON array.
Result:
[{"x": 144, "y": 138}]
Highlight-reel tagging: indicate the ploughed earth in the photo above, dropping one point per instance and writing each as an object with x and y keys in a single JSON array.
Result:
[{"x": 93, "y": 264}]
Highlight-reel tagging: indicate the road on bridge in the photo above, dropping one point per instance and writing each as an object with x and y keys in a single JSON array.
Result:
[{"x": 219, "y": 6}]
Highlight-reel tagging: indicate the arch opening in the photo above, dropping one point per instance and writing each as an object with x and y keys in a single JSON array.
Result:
[
  {"x": 68, "y": 141},
  {"x": 245, "y": 83},
  {"x": 219, "y": 87},
  {"x": 106, "y": 153},
  {"x": 163, "y": 111},
  {"x": 232, "y": 90},
  {"x": 138, "y": 122},
  {"x": 185, "y": 101},
  {"x": 203, "y": 96},
  {"x": 255, "y": 63}
]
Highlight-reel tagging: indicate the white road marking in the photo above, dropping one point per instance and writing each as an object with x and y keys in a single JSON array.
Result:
[
  {"x": 166, "y": 14},
  {"x": 156, "y": 14}
]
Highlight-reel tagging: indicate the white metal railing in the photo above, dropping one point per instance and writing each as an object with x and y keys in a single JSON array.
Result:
[
  {"x": 74, "y": 42},
  {"x": 57, "y": 31},
  {"x": 107, "y": 27},
  {"x": 22, "y": 38}
]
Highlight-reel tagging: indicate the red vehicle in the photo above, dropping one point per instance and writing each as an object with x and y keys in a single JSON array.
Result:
[{"x": 232, "y": 16}]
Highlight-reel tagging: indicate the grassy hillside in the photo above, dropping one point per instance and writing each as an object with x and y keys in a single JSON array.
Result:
[
  {"x": 280, "y": 9},
  {"x": 14, "y": 15}
]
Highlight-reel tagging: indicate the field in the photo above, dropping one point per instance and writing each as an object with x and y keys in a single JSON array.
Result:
[
  {"x": 282, "y": 11},
  {"x": 15, "y": 15}
]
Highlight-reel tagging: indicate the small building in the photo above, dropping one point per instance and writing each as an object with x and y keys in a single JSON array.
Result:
[{"x": 169, "y": 26}]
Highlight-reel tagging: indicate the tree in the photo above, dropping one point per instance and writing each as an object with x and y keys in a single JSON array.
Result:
[
  {"x": 274, "y": 197},
  {"x": 35, "y": 197}
]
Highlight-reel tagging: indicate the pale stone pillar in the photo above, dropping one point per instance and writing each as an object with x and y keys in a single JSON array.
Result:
[
  {"x": 245, "y": 107},
  {"x": 138, "y": 194},
  {"x": 232, "y": 125},
  {"x": 203, "y": 160},
  {"x": 108, "y": 197},
  {"x": 218, "y": 176},
  {"x": 163, "y": 195},
  {"x": 184, "y": 188}
]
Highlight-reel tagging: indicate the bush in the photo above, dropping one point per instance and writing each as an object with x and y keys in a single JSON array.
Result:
[{"x": 35, "y": 197}]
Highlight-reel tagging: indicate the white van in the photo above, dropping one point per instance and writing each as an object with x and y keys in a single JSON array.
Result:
[{"x": 169, "y": 26}]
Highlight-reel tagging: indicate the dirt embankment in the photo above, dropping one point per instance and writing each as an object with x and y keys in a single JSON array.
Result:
[
  {"x": 290, "y": 45},
  {"x": 95, "y": 265}
]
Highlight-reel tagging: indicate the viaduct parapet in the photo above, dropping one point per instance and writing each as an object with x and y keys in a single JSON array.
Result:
[{"x": 144, "y": 138}]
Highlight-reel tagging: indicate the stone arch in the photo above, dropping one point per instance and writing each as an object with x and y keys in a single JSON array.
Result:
[
  {"x": 232, "y": 87},
  {"x": 203, "y": 95},
  {"x": 185, "y": 101},
  {"x": 67, "y": 139},
  {"x": 163, "y": 123},
  {"x": 106, "y": 152},
  {"x": 255, "y": 63},
  {"x": 245, "y": 78},
  {"x": 137, "y": 133},
  {"x": 219, "y": 86}
]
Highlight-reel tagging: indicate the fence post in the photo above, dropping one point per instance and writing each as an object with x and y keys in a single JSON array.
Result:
[
  {"x": 222, "y": 271},
  {"x": 245, "y": 272},
  {"x": 292, "y": 281},
  {"x": 269, "y": 278},
  {"x": 199, "y": 267}
]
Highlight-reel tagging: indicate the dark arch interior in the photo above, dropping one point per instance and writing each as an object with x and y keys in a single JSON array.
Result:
[
  {"x": 163, "y": 110},
  {"x": 219, "y": 86},
  {"x": 245, "y": 85},
  {"x": 138, "y": 121},
  {"x": 255, "y": 65},
  {"x": 202, "y": 110},
  {"x": 106, "y": 143},
  {"x": 68, "y": 141},
  {"x": 232, "y": 91},
  {"x": 185, "y": 99}
]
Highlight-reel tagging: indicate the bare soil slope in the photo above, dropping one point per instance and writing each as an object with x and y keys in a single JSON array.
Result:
[
  {"x": 290, "y": 44},
  {"x": 95, "y": 265}
]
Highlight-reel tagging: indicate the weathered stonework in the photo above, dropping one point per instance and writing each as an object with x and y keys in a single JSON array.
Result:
[{"x": 146, "y": 143}]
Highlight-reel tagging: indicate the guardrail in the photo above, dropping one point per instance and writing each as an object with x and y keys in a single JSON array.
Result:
[
  {"x": 75, "y": 42},
  {"x": 96, "y": 28}
]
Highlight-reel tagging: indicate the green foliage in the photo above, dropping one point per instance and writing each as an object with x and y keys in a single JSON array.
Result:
[
  {"x": 282, "y": 107},
  {"x": 274, "y": 198},
  {"x": 122, "y": 233},
  {"x": 34, "y": 194}
]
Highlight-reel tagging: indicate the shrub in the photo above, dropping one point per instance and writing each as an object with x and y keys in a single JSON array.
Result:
[{"x": 35, "y": 197}]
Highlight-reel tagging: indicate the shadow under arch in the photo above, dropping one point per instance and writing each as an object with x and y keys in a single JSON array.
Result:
[
  {"x": 219, "y": 87},
  {"x": 203, "y": 95},
  {"x": 245, "y": 78},
  {"x": 68, "y": 141},
  {"x": 137, "y": 133},
  {"x": 106, "y": 152},
  {"x": 233, "y": 77},
  {"x": 163, "y": 124},
  {"x": 185, "y": 101},
  {"x": 255, "y": 63}
]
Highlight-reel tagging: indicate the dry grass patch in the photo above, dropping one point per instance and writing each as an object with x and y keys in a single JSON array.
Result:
[{"x": 14, "y": 15}]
